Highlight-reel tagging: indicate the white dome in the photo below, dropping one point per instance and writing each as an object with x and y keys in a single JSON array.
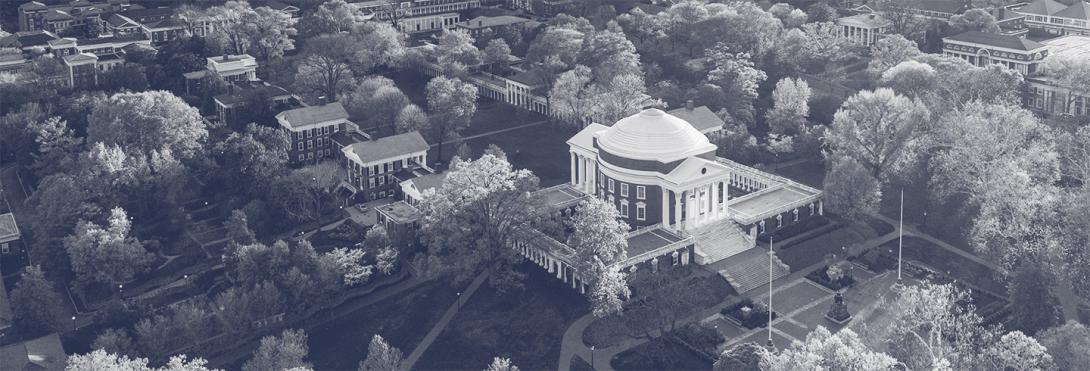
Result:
[{"x": 654, "y": 135}]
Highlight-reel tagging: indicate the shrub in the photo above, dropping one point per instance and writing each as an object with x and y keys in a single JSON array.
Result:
[
  {"x": 842, "y": 280},
  {"x": 703, "y": 338},
  {"x": 748, "y": 314}
]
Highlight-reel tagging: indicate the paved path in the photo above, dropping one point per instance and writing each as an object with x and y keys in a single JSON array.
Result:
[
  {"x": 410, "y": 361},
  {"x": 462, "y": 139}
]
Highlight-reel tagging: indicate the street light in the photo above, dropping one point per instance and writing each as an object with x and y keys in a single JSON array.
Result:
[
  {"x": 459, "y": 301},
  {"x": 591, "y": 356}
]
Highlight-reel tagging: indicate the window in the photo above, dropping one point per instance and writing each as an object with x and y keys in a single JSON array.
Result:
[
  {"x": 300, "y": 146},
  {"x": 301, "y": 157},
  {"x": 382, "y": 194},
  {"x": 381, "y": 180},
  {"x": 610, "y": 185},
  {"x": 375, "y": 169},
  {"x": 641, "y": 211},
  {"x": 386, "y": 167},
  {"x": 624, "y": 189},
  {"x": 641, "y": 192},
  {"x": 624, "y": 208},
  {"x": 371, "y": 183}
]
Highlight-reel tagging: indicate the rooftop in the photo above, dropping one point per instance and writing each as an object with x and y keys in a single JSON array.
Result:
[
  {"x": 27, "y": 39},
  {"x": 775, "y": 199},
  {"x": 561, "y": 196},
  {"x": 428, "y": 181},
  {"x": 996, "y": 40},
  {"x": 701, "y": 118},
  {"x": 400, "y": 212},
  {"x": 1042, "y": 7},
  {"x": 44, "y": 353},
  {"x": 650, "y": 240},
  {"x": 244, "y": 89},
  {"x": 653, "y": 135},
  {"x": 387, "y": 147},
  {"x": 346, "y": 138},
  {"x": 872, "y": 20},
  {"x": 1073, "y": 45},
  {"x": 1079, "y": 10},
  {"x": 488, "y": 22},
  {"x": 301, "y": 117}
]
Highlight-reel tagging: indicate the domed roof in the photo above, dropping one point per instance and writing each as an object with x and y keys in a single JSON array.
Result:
[{"x": 654, "y": 135}]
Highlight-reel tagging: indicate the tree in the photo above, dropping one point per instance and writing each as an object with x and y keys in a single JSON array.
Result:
[
  {"x": 336, "y": 16},
  {"x": 455, "y": 48},
  {"x": 1033, "y": 307},
  {"x": 411, "y": 118},
  {"x": 1016, "y": 351},
  {"x": 902, "y": 19},
  {"x": 1071, "y": 72},
  {"x": 238, "y": 228},
  {"x": 609, "y": 54},
  {"x": 326, "y": 71},
  {"x": 475, "y": 216},
  {"x": 1074, "y": 151},
  {"x": 737, "y": 78},
  {"x": 890, "y": 51},
  {"x": 305, "y": 192},
  {"x": 107, "y": 253},
  {"x": 910, "y": 78},
  {"x": 377, "y": 44},
  {"x": 501, "y": 364},
  {"x": 455, "y": 101},
  {"x": 790, "y": 107},
  {"x": 148, "y": 121},
  {"x": 17, "y": 133},
  {"x": 850, "y": 190},
  {"x": 598, "y": 239},
  {"x": 104, "y": 360},
  {"x": 242, "y": 306},
  {"x": 823, "y": 350},
  {"x": 878, "y": 129},
  {"x": 235, "y": 20},
  {"x": 496, "y": 52},
  {"x": 280, "y": 352},
  {"x": 825, "y": 45},
  {"x": 741, "y": 357},
  {"x": 249, "y": 159},
  {"x": 381, "y": 356},
  {"x": 35, "y": 304},
  {"x": 377, "y": 107},
  {"x": 57, "y": 147},
  {"x": 349, "y": 264},
  {"x": 623, "y": 96},
  {"x": 1067, "y": 345},
  {"x": 974, "y": 20},
  {"x": 115, "y": 341},
  {"x": 822, "y": 12},
  {"x": 569, "y": 96}
]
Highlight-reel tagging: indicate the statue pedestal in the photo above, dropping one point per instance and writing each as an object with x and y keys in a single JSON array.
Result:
[{"x": 839, "y": 311}]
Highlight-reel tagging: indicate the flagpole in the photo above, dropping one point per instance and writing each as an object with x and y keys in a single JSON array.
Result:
[
  {"x": 900, "y": 235},
  {"x": 770, "y": 344}
]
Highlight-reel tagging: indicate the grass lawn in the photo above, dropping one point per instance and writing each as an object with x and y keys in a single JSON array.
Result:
[
  {"x": 702, "y": 292},
  {"x": 542, "y": 149},
  {"x": 659, "y": 354},
  {"x": 813, "y": 251},
  {"x": 403, "y": 321},
  {"x": 945, "y": 220},
  {"x": 960, "y": 268},
  {"x": 811, "y": 173},
  {"x": 525, "y": 326}
]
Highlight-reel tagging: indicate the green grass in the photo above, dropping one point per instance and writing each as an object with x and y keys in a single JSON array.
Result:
[
  {"x": 542, "y": 149},
  {"x": 660, "y": 354},
  {"x": 814, "y": 250},
  {"x": 702, "y": 291},
  {"x": 402, "y": 320},
  {"x": 811, "y": 173},
  {"x": 525, "y": 326},
  {"x": 943, "y": 260}
]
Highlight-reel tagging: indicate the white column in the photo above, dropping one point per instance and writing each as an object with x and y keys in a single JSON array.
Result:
[
  {"x": 677, "y": 210},
  {"x": 593, "y": 175},
  {"x": 715, "y": 200},
  {"x": 665, "y": 209},
  {"x": 586, "y": 175},
  {"x": 574, "y": 176}
]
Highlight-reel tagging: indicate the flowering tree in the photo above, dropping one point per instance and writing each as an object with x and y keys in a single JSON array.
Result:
[
  {"x": 107, "y": 253},
  {"x": 823, "y": 350}
]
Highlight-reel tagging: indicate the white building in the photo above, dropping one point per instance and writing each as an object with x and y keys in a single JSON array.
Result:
[
  {"x": 1046, "y": 95},
  {"x": 1052, "y": 17},
  {"x": 983, "y": 48},
  {"x": 863, "y": 29}
]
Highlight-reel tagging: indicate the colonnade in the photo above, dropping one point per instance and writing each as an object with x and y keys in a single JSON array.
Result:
[
  {"x": 564, "y": 271},
  {"x": 584, "y": 173},
  {"x": 703, "y": 204}
]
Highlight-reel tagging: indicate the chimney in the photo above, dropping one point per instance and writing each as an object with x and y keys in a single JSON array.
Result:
[
  {"x": 480, "y": 23},
  {"x": 226, "y": 57},
  {"x": 689, "y": 105}
]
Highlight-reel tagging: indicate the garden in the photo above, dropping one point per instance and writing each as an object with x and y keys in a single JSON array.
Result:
[
  {"x": 837, "y": 276},
  {"x": 748, "y": 314}
]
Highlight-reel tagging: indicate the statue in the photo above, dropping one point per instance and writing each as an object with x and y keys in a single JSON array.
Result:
[{"x": 839, "y": 311}]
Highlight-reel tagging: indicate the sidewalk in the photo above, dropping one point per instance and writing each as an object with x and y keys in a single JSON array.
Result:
[{"x": 410, "y": 361}]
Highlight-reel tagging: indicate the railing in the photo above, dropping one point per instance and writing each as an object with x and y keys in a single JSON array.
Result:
[{"x": 648, "y": 255}]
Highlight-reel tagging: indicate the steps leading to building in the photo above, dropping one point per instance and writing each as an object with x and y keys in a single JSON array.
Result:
[
  {"x": 749, "y": 269},
  {"x": 719, "y": 240}
]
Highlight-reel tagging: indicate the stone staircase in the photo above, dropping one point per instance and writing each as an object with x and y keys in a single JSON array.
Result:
[
  {"x": 749, "y": 269},
  {"x": 719, "y": 240}
]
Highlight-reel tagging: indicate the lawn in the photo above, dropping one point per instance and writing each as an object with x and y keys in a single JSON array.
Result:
[
  {"x": 525, "y": 326},
  {"x": 806, "y": 253},
  {"x": 811, "y": 173},
  {"x": 402, "y": 320},
  {"x": 659, "y": 354},
  {"x": 703, "y": 291},
  {"x": 959, "y": 267},
  {"x": 946, "y": 220},
  {"x": 542, "y": 149}
]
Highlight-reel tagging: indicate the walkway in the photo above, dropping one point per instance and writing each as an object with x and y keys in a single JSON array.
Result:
[{"x": 410, "y": 361}]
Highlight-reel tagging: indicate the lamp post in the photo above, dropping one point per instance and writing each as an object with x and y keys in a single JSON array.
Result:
[
  {"x": 459, "y": 301},
  {"x": 591, "y": 356},
  {"x": 900, "y": 237},
  {"x": 74, "y": 327}
]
